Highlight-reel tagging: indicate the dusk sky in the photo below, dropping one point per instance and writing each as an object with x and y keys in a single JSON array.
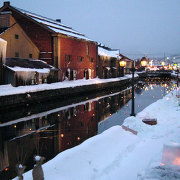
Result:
[{"x": 136, "y": 27}]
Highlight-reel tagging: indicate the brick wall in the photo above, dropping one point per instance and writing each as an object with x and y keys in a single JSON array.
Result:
[
  {"x": 78, "y": 48},
  {"x": 39, "y": 36}
]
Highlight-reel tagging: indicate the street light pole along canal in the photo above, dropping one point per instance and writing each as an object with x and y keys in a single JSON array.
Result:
[{"x": 133, "y": 69}]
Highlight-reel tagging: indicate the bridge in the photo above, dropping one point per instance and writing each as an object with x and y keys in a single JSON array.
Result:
[{"x": 157, "y": 73}]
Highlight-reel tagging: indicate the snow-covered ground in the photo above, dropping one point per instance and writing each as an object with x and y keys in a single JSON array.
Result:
[
  {"x": 9, "y": 89},
  {"x": 118, "y": 154}
]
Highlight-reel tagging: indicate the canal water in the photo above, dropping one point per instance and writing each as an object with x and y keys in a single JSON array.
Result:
[{"x": 48, "y": 129}]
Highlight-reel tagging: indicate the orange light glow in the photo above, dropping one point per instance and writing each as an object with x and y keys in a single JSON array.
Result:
[
  {"x": 176, "y": 162},
  {"x": 62, "y": 135},
  {"x": 6, "y": 169}
]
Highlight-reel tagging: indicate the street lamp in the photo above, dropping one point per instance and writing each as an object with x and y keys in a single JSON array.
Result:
[
  {"x": 122, "y": 62},
  {"x": 143, "y": 64}
]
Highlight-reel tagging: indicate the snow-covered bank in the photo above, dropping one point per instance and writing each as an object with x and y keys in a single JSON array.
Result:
[
  {"x": 153, "y": 153},
  {"x": 10, "y": 90}
]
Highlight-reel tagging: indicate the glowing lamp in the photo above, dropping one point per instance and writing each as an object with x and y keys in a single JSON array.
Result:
[
  {"x": 122, "y": 63},
  {"x": 143, "y": 62},
  {"x": 162, "y": 63}
]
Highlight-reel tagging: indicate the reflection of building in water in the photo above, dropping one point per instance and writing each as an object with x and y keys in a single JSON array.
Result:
[
  {"x": 45, "y": 135},
  {"x": 51, "y": 132},
  {"x": 111, "y": 104},
  {"x": 79, "y": 123},
  {"x": 4, "y": 162},
  {"x": 139, "y": 88}
]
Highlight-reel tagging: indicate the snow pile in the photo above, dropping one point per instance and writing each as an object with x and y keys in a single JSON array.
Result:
[
  {"x": 153, "y": 153},
  {"x": 43, "y": 70},
  {"x": 3, "y": 45}
]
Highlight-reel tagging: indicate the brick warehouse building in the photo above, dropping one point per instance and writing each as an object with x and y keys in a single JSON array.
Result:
[{"x": 53, "y": 42}]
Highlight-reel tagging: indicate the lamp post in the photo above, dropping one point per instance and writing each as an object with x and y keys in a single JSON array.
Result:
[
  {"x": 132, "y": 84},
  {"x": 123, "y": 64},
  {"x": 177, "y": 76}
]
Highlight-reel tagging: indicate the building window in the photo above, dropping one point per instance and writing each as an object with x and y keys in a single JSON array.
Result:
[
  {"x": 16, "y": 54},
  {"x": 87, "y": 50},
  {"x": 80, "y": 58},
  {"x": 86, "y": 107},
  {"x": 30, "y": 56},
  {"x": 91, "y": 59},
  {"x": 16, "y": 36},
  {"x": 68, "y": 57}
]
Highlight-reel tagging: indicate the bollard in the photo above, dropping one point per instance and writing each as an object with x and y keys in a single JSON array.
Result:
[
  {"x": 37, "y": 171},
  {"x": 20, "y": 170}
]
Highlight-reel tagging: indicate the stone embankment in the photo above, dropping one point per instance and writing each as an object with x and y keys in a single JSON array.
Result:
[{"x": 50, "y": 95}]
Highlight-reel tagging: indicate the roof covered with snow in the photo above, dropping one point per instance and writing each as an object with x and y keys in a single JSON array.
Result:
[
  {"x": 19, "y": 64},
  {"x": 108, "y": 52},
  {"x": 54, "y": 25}
]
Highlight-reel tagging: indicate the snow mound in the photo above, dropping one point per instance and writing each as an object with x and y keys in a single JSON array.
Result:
[{"x": 137, "y": 125}]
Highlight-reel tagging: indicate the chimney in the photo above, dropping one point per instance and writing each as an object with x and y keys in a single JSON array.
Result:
[
  {"x": 58, "y": 20},
  {"x": 7, "y": 3}
]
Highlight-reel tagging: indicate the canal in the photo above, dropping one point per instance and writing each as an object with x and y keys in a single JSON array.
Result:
[{"x": 50, "y": 128}]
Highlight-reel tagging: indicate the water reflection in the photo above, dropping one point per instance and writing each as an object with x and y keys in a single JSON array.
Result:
[
  {"x": 47, "y": 133},
  {"x": 54, "y": 131}
]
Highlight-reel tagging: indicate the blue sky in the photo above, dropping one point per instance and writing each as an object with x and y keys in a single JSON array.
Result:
[{"x": 136, "y": 27}]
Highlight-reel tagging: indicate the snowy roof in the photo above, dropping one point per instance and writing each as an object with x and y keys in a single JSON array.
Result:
[
  {"x": 19, "y": 64},
  {"x": 105, "y": 52},
  {"x": 54, "y": 25}
]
